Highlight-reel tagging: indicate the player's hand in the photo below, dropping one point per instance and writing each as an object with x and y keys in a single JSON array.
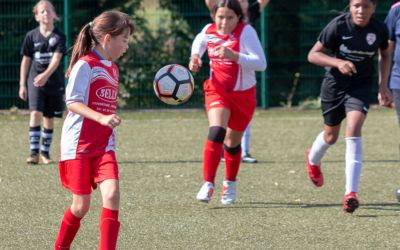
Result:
[
  {"x": 195, "y": 63},
  {"x": 40, "y": 80},
  {"x": 346, "y": 68},
  {"x": 110, "y": 121},
  {"x": 385, "y": 97},
  {"x": 226, "y": 53},
  {"x": 22, "y": 93}
]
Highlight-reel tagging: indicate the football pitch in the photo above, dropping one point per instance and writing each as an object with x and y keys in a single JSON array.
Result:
[{"x": 160, "y": 159}]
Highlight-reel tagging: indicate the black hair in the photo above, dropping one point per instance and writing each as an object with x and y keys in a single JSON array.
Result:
[{"x": 230, "y": 4}]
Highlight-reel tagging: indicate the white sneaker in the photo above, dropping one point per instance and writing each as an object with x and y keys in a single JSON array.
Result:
[
  {"x": 247, "y": 158},
  {"x": 228, "y": 192},
  {"x": 206, "y": 192}
]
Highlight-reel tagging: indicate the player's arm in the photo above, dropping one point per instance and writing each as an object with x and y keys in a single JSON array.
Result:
[
  {"x": 210, "y": 4},
  {"x": 263, "y": 4},
  {"x": 81, "y": 109},
  {"x": 318, "y": 55},
  {"x": 385, "y": 63},
  {"x": 41, "y": 79},
  {"x": 253, "y": 56},
  {"x": 23, "y": 74},
  {"x": 199, "y": 47}
]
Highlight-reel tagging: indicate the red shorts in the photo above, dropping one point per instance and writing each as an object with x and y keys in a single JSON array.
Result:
[
  {"x": 81, "y": 175},
  {"x": 242, "y": 104}
]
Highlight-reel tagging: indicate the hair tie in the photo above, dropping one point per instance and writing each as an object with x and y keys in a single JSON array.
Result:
[{"x": 91, "y": 24}]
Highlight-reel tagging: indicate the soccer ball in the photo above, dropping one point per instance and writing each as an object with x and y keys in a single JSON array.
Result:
[{"x": 173, "y": 84}]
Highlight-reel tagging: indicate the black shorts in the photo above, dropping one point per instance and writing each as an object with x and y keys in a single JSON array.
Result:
[
  {"x": 339, "y": 98},
  {"x": 50, "y": 105}
]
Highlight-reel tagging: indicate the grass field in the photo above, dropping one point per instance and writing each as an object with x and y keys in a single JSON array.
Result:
[{"x": 160, "y": 155}]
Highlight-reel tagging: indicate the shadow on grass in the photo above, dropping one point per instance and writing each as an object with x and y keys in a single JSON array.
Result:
[
  {"x": 394, "y": 206},
  {"x": 259, "y": 162},
  {"x": 159, "y": 162}
]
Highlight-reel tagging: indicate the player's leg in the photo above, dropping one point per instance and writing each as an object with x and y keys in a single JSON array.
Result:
[
  {"x": 243, "y": 105},
  {"x": 109, "y": 224},
  {"x": 232, "y": 154},
  {"x": 396, "y": 99},
  {"x": 322, "y": 142},
  {"x": 218, "y": 120},
  {"x": 333, "y": 113},
  {"x": 36, "y": 104},
  {"x": 246, "y": 156},
  {"x": 75, "y": 176},
  {"x": 233, "y": 150},
  {"x": 54, "y": 106},
  {"x": 245, "y": 142},
  {"x": 354, "y": 158},
  {"x": 105, "y": 173},
  {"x": 47, "y": 137},
  {"x": 71, "y": 221}
]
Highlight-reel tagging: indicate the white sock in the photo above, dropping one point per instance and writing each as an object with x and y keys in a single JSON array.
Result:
[
  {"x": 245, "y": 143},
  {"x": 354, "y": 156},
  {"x": 318, "y": 149}
]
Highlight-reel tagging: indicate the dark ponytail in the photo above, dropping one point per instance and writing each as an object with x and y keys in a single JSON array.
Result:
[{"x": 83, "y": 43}]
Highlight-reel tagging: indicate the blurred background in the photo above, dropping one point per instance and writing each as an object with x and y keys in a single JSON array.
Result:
[{"x": 165, "y": 30}]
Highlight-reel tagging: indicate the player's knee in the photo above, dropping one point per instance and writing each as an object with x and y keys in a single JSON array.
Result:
[
  {"x": 233, "y": 150},
  {"x": 331, "y": 138},
  {"x": 80, "y": 209},
  {"x": 216, "y": 134},
  {"x": 111, "y": 196}
]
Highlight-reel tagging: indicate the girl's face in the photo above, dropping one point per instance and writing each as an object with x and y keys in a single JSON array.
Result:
[
  {"x": 361, "y": 11},
  {"x": 226, "y": 20},
  {"x": 45, "y": 14},
  {"x": 117, "y": 45}
]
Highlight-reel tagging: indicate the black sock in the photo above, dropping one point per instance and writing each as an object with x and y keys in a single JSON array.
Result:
[
  {"x": 47, "y": 137},
  {"x": 34, "y": 138}
]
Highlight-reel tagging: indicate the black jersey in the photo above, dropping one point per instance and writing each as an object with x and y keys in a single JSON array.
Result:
[
  {"x": 352, "y": 43},
  {"x": 41, "y": 49}
]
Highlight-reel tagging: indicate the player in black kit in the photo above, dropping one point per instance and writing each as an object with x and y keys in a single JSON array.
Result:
[
  {"x": 347, "y": 47},
  {"x": 42, "y": 79}
]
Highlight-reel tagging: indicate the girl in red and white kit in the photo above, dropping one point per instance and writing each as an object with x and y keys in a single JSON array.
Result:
[
  {"x": 88, "y": 135},
  {"x": 235, "y": 53}
]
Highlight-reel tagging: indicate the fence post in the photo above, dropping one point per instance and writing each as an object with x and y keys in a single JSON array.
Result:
[
  {"x": 264, "y": 43},
  {"x": 67, "y": 31}
]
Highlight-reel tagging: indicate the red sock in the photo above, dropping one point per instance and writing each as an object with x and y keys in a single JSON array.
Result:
[
  {"x": 232, "y": 162},
  {"x": 212, "y": 157},
  {"x": 109, "y": 228},
  {"x": 68, "y": 229}
]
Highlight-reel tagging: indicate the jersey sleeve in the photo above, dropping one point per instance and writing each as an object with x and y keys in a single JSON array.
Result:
[
  {"x": 391, "y": 19},
  {"x": 199, "y": 45},
  {"x": 78, "y": 83},
  {"x": 61, "y": 45},
  {"x": 329, "y": 35},
  {"x": 27, "y": 46},
  {"x": 252, "y": 56},
  {"x": 385, "y": 38}
]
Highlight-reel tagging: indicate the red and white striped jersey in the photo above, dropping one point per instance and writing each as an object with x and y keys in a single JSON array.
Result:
[
  {"x": 94, "y": 82},
  {"x": 225, "y": 73}
]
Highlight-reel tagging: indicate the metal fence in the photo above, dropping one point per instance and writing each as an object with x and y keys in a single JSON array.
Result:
[{"x": 287, "y": 30}]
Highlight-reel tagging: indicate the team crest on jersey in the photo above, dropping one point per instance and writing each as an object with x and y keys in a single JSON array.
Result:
[
  {"x": 371, "y": 38},
  {"x": 52, "y": 41},
  {"x": 107, "y": 94}
]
